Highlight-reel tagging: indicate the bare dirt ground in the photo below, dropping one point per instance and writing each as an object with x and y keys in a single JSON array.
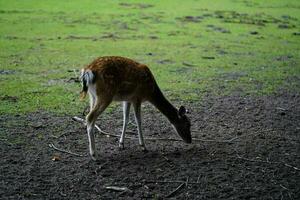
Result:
[{"x": 249, "y": 150}]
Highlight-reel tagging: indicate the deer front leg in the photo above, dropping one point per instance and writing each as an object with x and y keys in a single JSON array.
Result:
[
  {"x": 137, "y": 114},
  {"x": 126, "y": 110}
]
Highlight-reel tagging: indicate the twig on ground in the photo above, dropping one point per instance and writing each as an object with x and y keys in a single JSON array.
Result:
[
  {"x": 217, "y": 141},
  {"x": 187, "y": 181},
  {"x": 78, "y": 119},
  {"x": 64, "y": 151},
  {"x": 286, "y": 190},
  {"x": 174, "y": 192},
  {"x": 282, "y": 109},
  {"x": 283, "y": 187},
  {"x": 168, "y": 161},
  {"x": 266, "y": 161},
  {"x": 119, "y": 189},
  {"x": 184, "y": 182},
  {"x": 287, "y": 165}
]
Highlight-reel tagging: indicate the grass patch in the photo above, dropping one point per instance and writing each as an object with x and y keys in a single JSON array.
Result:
[{"x": 193, "y": 48}]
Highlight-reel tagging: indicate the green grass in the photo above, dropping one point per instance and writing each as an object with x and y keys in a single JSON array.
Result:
[{"x": 42, "y": 43}]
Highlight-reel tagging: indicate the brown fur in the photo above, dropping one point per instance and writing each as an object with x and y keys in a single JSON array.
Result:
[{"x": 120, "y": 78}]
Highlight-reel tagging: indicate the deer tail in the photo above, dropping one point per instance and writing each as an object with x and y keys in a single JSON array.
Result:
[{"x": 87, "y": 77}]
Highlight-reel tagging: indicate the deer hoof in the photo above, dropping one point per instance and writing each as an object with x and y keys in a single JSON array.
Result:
[
  {"x": 144, "y": 149},
  {"x": 121, "y": 146},
  {"x": 93, "y": 157}
]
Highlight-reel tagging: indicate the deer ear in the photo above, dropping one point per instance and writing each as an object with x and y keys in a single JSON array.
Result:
[{"x": 182, "y": 111}]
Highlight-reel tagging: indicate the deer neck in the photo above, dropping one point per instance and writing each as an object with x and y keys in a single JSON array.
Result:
[{"x": 164, "y": 106}]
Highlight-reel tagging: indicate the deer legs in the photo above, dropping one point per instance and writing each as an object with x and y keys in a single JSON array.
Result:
[
  {"x": 137, "y": 114},
  {"x": 97, "y": 107},
  {"x": 138, "y": 120},
  {"x": 126, "y": 109}
]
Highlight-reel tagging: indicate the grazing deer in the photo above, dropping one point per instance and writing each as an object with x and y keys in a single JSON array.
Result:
[{"x": 114, "y": 78}]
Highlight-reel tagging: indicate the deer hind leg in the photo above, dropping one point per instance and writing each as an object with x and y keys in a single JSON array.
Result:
[
  {"x": 137, "y": 114},
  {"x": 126, "y": 110},
  {"x": 99, "y": 106},
  {"x": 92, "y": 95}
]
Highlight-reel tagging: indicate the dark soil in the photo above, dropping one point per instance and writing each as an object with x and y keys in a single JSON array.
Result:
[{"x": 262, "y": 160}]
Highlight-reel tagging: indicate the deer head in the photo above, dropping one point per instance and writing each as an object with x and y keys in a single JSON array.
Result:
[{"x": 183, "y": 125}]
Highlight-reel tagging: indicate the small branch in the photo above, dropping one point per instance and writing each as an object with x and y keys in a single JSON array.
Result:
[
  {"x": 78, "y": 119},
  {"x": 217, "y": 141},
  {"x": 119, "y": 189},
  {"x": 282, "y": 109},
  {"x": 287, "y": 190},
  {"x": 269, "y": 162},
  {"x": 283, "y": 187},
  {"x": 174, "y": 192},
  {"x": 295, "y": 168},
  {"x": 252, "y": 160},
  {"x": 64, "y": 151},
  {"x": 184, "y": 182},
  {"x": 187, "y": 181}
]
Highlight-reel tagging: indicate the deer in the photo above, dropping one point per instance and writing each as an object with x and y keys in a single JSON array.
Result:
[{"x": 115, "y": 78}]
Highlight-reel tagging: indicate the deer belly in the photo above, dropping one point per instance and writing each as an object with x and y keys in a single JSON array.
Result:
[{"x": 126, "y": 92}]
